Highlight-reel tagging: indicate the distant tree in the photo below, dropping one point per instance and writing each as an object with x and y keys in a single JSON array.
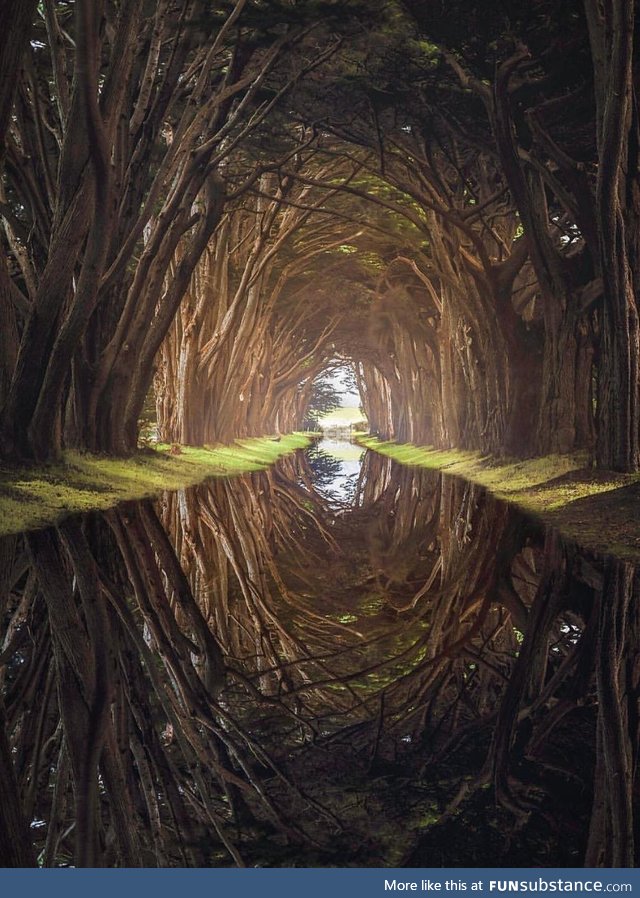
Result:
[{"x": 324, "y": 397}]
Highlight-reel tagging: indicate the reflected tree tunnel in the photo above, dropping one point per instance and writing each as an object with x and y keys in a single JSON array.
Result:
[
  {"x": 243, "y": 675},
  {"x": 209, "y": 211}
]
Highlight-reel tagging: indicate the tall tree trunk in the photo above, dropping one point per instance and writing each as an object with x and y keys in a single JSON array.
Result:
[
  {"x": 611, "y": 31},
  {"x": 17, "y": 18},
  {"x": 15, "y": 845}
]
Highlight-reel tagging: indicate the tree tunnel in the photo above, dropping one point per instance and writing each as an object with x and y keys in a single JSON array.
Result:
[
  {"x": 211, "y": 208},
  {"x": 207, "y": 211},
  {"x": 252, "y": 333}
]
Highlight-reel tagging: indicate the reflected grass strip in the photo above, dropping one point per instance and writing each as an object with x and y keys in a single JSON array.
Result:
[{"x": 597, "y": 509}]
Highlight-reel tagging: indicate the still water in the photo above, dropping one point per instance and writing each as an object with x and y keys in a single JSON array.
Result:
[
  {"x": 336, "y": 466},
  {"x": 336, "y": 662}
]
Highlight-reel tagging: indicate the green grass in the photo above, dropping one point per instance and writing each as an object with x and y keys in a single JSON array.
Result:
[
  {"x": 39, "y": 496},
  {"x": 597, "y": 509},
  {"x": 341, "y": 417}
]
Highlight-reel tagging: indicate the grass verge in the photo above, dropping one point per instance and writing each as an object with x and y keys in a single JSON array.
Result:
[
  {"x": 342, "y": 417},
  {"x": 39, "y": 496},
  {"x": 597, "y": 509}
]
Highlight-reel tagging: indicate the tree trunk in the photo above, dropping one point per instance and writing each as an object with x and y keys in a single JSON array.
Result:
[
  {"x": 16, "y": 849},
  {"x": 611, "y": 31}
]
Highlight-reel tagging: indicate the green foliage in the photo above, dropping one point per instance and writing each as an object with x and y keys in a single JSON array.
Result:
[
  {"x": 325, "y": 397},
  {"x": 371, "y": 262}
]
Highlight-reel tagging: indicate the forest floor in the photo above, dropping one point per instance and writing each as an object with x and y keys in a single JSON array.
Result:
[
  {"x": 33, "y": 497},
  {"x": 599, "y": 510}
]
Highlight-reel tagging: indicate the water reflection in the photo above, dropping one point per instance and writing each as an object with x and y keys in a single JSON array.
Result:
[
  {"x": 249, "y": 673},
  {"x": 336, "y": 466}
]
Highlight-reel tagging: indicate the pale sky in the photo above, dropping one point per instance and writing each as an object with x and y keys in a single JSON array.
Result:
[{"x": 349, "y": 399}]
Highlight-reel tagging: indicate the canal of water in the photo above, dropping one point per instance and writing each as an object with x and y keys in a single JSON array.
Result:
[{"x": 338, "y": 661}]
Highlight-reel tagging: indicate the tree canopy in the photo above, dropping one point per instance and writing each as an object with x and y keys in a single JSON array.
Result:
[{"x": 479, "y": 164}]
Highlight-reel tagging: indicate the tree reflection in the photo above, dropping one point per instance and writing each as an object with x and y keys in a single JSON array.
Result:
[{"x": 239, "y": 675}]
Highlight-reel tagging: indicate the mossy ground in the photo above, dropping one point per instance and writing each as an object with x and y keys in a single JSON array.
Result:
[
  {"x": 37, "y": 496},
  {"x": 600, "y": 510}
]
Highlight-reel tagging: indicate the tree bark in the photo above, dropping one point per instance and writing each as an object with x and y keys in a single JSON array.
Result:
[{"x": 611, "y": 31}]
